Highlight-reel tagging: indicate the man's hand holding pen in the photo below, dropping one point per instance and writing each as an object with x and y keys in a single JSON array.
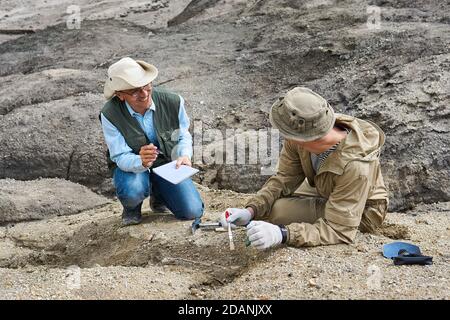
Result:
[{"x": 148, "y": 154}]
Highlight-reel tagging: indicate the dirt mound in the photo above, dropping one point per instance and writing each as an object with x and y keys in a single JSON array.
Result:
[{"x": 394, "y": 231}]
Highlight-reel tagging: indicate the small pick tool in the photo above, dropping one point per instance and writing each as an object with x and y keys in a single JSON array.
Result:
[
  {"x": 405, "y": 253},
  {"x": 198, "y": 224}
]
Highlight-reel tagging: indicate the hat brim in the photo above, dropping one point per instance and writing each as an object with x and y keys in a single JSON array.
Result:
[{"x": 151, "y": 72}]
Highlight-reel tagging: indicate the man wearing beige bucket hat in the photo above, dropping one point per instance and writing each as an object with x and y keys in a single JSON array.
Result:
[
  {"x": 145, "y": 127},
  {"x": 328, "y": 181}
]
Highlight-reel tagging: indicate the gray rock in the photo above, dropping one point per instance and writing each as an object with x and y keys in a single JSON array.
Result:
[
  {"x": 57, "y": 139},
  {"x": 21, "y": 90},
  {"x": 44, "y": 198}
]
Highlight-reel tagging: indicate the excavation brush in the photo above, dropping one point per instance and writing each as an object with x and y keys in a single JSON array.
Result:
[
  {"x": 197, "y": 224},
  {"x": 230, "y": 233}
]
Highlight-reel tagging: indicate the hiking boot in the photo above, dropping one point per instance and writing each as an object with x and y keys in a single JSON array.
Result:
[
  {"x": 131, "y": 218},
  {"x": 157, "y": 205}
]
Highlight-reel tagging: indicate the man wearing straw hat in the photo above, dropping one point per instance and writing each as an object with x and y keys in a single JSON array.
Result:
[
  {"x": 145, "y": 127},
  {"x": 328, "y": 182}
]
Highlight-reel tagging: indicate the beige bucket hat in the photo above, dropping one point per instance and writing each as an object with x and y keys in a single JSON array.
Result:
[
  {"x": 302, "y": 115},
  {"x": 128, "y": 74}
]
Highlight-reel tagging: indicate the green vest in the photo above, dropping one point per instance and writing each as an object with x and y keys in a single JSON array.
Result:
[{"x": 165, "y": 122}]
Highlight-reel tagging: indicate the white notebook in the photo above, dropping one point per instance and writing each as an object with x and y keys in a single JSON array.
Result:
[{"x": 173, "y": 175}]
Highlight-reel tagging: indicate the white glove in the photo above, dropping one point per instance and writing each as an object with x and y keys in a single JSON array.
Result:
[
  {"x": 236, "y": 216},
  {"x": 263, "y": 235}
]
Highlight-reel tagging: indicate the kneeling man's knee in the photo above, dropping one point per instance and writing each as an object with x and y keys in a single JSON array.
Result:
[
  {"x": 191, "y": 210},
  {"x": 132, "y": 190}
]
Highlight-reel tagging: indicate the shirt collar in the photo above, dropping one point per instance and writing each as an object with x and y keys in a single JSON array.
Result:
[{"x": 133, "y": 113}]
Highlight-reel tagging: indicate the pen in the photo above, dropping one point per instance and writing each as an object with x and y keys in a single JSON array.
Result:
[{"x": 158, "y": 152}]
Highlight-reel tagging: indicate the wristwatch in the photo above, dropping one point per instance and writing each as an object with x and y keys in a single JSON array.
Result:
[{"x": 284, "y": 233}]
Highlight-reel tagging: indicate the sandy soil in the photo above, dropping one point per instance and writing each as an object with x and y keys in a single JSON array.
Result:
[{"x": 89, "y": 256}]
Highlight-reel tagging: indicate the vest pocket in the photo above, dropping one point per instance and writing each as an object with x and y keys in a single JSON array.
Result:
[{"x": 167, "y": 136}]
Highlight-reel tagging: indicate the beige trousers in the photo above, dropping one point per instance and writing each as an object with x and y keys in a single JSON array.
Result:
[{"x": 307, "y": 206}]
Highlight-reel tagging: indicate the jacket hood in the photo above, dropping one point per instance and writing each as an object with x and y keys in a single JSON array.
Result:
[{"x": 363, "y": 143}]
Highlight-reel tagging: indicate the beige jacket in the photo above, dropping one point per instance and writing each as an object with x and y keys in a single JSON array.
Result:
[{"x": 350, "y": 180}]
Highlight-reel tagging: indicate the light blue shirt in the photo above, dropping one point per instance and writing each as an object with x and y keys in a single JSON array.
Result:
[{"x": 124, "y": 156}]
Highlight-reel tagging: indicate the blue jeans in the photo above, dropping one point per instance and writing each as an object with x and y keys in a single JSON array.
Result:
[{"x": 182, "y": 199}]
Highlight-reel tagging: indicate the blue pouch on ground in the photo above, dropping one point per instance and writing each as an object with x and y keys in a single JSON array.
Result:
[{"x": 405, "y": 253}]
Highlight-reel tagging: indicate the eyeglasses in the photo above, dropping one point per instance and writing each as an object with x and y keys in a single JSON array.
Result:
[{"x": 135, "y": 92}]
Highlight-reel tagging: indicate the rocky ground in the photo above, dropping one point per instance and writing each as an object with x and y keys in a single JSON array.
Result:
[
  {"x": 89, "y": 256},
  {"x": 230, "y": 60}
]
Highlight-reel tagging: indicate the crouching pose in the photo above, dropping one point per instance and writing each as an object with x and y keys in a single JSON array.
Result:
[{"x": 145, "y": 127}]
